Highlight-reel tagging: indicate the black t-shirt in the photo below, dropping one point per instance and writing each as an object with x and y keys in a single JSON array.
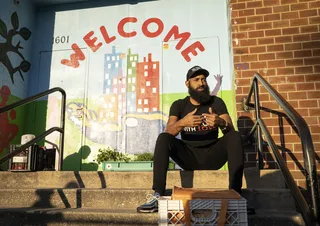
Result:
[{"x": 203, "y": 135}]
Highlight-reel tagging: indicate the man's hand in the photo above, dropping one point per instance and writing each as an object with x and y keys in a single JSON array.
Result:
[
  {"x": 212, "y": 119},
  {"x": 191, "y": 119}
]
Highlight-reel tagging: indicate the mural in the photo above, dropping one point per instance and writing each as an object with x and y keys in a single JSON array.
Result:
[
  {"x": 123, "y": 68},
  {"x": 8, "y": 46},
  {"x": 8, "y": 131}
]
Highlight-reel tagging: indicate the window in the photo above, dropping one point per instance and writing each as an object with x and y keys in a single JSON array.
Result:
[
  {"x": 115, "y": 81},
  {"x": 129, "y": 71},
  {"x": 115, "y": 90},
  {"x": 106, "y": 76},
  {"x": 145, "y": 73},
  {"x": 123, "y": 90},
  {"x": 109, "y": 66},
  {"x": 154, "y": 109},
  {"x": 113, "y": 58},
  {"x": 133, "y": 88},
  {"x": 113, "y": 99},
  {"x": 154, "y": 66},
  {"x": 123, "y": 80},
  {"x": 131, "y": 109},
  {"x": 139, "y": 110},
  {"x": 108, "y": 58},
  {"x": 120, "y": 97},
  {"x": 107, "y": 90},
  {"x": 146, "y": 109},
  {"x": 148, "y": 83},
  {"x": 129, "y": 80},
  {"x": 118, "y": 58},
  {"x": 142, "y": 90},
  {"x": 154, "y": 90},
  {"x": 135, "y": 58},
  {"x": 139, "y": 101},
  {"x": 134, "y": 64},
  {"x": 133, "y": 80},
  {"x": 145, "y": 66},
  {"x": 129, "y": 102},
  {"x": 109, "y": 82},
  {"x": 117, "y": 64},
  {"x": 131, "y": 58},
  {"x": 145, "y": 101},
  {"x": 133, "y": 96}
]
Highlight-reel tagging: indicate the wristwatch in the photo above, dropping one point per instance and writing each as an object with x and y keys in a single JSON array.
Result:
[{"x": 224, "y": 128}]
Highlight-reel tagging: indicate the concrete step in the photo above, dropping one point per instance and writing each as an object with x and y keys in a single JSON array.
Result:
[
  {"x": 280, "y": 199},
  {"x": 123, "y": 217},
  {"x": 253, "y": 178}
]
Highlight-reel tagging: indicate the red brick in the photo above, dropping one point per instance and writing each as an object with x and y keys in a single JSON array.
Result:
[
  {"x": 314, "y": 112},
  {"x": 294, "y": 62},
  {"x": 315, "y": 4},
  {"x": 247, "y": 27},
  {"x": 283, "y": 2},
  {"x": 315, "y": 129},
  {"x": 271, "y": 2},
  {"x": 248, "y": 42},
  {"x": 311, "y": 120},
  {"x": 279, "y": 9},
  {"x": 256, "y": 4},
  {"x": 267, "y": 56},
  {"x": 276, "y": 63},
  {"x": 249, "y": 58},
  {"x": 273, "y": 32},
  {"x": 241, "y": 50},
  {"x": 312, "y": 78},
  {"x": 271, "y": 17},
  {"x": 234, "y": 14},
  {"x": 314, "y": 20},
  {"x": 285, "y": 71},
  {"x": 297, "y": 95},
  {"x": 303, "y": 70},
  {"x": 284, "y": 55},
  {"x": 238, "y": 6},
  {"x": 258, "y": 49},
  {"x": 305, "y": 86},
  {"x": 281, "y": 23},
  {"x": 311, "y": 45},
  {"x": 295, "y": 78},
  {"x": 299, "y": 6},
  {"x": 254, "y": 19},
  {"x": 277, "y": 79},
  {"x": 299, "y": 22},
  {"x": 256, "y": 34},
  {"x": 316, "y": 69},
  {"x": 239, "y": 35},
  {"x": 236, "y": 59},
  {"x": 286, "y": 87},
  {"x": 289, "y": 15},
  {"x": 247, "y": 12},
  {"x": 243, "y": 81},
  {"x": 318, "y": 88},
  {"x": 275, "y": 48},
  {"x": 315, "y": 36},
  {"x": 307, "y": 103},
  {"x": 309, "y": 29},
  {"x": 312, "y": 61},
  {"x": 264, "y": 41},
  {"x": 316, "y": 52},
  {"x": 301, "y": 38},
  {"x": 248, "y": 73},
  {"x": 264, "y": 10},
  {"x": 239, "y": 20},
  {"x": 266, "y": 25},
  {"x": 283, "y": 39},
  {"x": 302, "y": 53},
  {"x": 257, "y": 65},
  {"x": 293, "y": 46},
  {"x": 308, "y": 13},
  {"x": 290, "y": 31}
]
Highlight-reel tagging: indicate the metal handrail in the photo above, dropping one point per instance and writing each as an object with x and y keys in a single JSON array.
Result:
[
  {"x": 310, "y": 213},
  {"x": 60, "y": 129}
]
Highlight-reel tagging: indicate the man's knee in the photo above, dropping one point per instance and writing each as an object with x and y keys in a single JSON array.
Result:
[{"x": 165, "y": 138}]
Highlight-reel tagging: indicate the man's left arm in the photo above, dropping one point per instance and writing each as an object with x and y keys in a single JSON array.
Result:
[{"x": 226, "y": 123}]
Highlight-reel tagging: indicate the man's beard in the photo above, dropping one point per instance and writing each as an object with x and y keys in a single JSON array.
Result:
[{"x": 201, "y": 97}]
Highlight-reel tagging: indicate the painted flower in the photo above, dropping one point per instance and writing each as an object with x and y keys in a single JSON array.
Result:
[{"x": 108, "y": 166}]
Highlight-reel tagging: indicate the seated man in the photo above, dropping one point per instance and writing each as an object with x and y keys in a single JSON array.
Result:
[{"x": 197, "y": 117}]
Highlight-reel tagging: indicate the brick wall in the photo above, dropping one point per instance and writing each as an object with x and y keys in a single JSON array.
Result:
[{"x": 280, "y": 39}]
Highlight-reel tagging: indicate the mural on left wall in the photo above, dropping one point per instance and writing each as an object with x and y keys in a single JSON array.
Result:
[{"x": 8, "y": 46}]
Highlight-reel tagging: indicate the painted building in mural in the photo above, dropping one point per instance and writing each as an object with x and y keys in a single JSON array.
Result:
[{"x": 121, "y": 70}]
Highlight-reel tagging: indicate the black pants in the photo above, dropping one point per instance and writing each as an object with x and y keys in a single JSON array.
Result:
[{"x": 227, "y": 148}]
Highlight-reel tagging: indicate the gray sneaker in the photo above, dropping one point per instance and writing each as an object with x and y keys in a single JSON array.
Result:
[{"x": 151, "y": 205}]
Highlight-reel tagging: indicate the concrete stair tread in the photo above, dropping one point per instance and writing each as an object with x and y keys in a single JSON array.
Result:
[{"x": 81, "y": 216}]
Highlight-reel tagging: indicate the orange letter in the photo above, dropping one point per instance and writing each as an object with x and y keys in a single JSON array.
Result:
[
  {"x": 121, "y": 25},
  {"x": 149, "y": 34},
  {"x": 175, "y": 32},
  {"x": 106, "y": 35},
  {"x": 192, "y": 49},
  {"x": 90, "y": 41},
  {"x": 74, "y": 58}
]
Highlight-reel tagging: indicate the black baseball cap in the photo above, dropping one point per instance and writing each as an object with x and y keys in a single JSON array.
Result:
[{"x": 197, "y": 70}]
